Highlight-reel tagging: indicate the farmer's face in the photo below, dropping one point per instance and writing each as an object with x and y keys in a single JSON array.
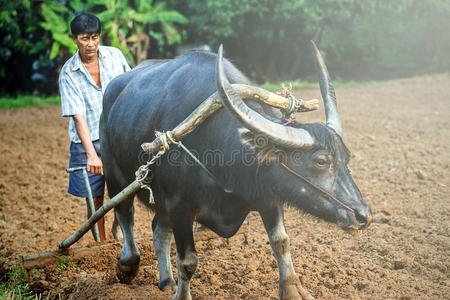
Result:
[{"x": 87, "y": 44}]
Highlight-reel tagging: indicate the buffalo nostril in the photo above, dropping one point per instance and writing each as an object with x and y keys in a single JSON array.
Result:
[
  {"x": 365, "y": 219},
  {"x": 369, "y": 220}
]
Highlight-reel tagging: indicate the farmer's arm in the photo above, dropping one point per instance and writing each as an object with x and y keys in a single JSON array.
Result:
[
  {"x": 94, "y": 164},
  {"x": 73, "y": 106}
]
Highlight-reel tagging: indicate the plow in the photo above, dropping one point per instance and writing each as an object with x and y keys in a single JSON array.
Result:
[{"x": 288, "y": 105}]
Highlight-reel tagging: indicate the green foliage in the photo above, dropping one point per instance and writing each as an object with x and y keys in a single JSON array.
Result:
[
  {"x": 398, "y": 38},
  {"x": 269, "y": 39},
  {"x": 57, "y": 18},
  {"x": 27, "y": 101},
  {"x": 15, "y": 285},
  {"x": 14, "y": 38},
  {"x": 128, "y": 25},
  {"x": 19, "y": 41},
  {"x": 64, "y": 262}
]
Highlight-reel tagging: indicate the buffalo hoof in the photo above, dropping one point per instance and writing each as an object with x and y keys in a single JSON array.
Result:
[
  {"x": 127, "y": 269},
  {"x": 168, "y": 285},
  {"x": 126, "y": 274},
  {"x": 291, "y": 292},
  {"x": 182, "y": 296},
  {"x": 292, "y": 289}
]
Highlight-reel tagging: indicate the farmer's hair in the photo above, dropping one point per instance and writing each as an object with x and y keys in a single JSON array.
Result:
[{"x": 85, "y": 23}]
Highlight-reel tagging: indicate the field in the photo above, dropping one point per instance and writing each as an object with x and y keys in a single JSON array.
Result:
[{"x": 399, "y": 137}]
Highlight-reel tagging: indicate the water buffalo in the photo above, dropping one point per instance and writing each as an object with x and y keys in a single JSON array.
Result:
[{"x": 301, "y": 165}]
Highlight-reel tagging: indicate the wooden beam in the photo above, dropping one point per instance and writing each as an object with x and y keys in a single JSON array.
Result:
[{"x": 40, "y": 260}]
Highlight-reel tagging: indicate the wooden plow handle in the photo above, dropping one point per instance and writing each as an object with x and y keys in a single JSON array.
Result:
[{"x": 116, "y": 200}]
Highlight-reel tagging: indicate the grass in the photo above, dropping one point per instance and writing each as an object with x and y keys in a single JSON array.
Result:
[
  {"x": 14, "y": 285},
  {"x": 27, "y": 101},
  {"x": 64, "y": 262}
]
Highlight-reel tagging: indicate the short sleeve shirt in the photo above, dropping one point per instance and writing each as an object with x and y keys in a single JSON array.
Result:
[{"x": 79, "y": 93}]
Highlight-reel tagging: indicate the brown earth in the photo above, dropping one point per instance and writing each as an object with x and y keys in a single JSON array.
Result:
[{"x": 398, "y": 133}]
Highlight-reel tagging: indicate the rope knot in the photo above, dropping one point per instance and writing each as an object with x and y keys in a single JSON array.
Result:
[
  {"x": 294, "y": 103},
  {"x": 165, "y": 138}
]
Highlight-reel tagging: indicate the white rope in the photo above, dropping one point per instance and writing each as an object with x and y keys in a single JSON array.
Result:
[
  {"x": 179, "y": 144},
  {"x": 294, "y": 103},
  {"x": 166, "y": 139},
  {"x": 142, "y": 172}
]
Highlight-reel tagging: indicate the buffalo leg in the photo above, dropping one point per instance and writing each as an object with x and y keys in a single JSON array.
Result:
[
  {"x": 290, "y": 286},
  {"x": 115, "y": 229},
  {"x": 128, "y": 261},
  {"x": 186, "y": 254},
  {"x": 162, "y": 237}
]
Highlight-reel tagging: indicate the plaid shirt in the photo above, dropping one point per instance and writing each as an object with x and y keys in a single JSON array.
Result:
[{"x": 79, "y": 93}]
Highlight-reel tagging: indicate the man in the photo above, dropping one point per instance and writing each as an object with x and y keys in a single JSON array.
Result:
[{"x": 82, "y": 82}]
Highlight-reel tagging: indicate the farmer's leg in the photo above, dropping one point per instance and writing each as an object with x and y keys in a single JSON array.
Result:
[{"x": 98, "y": 202}]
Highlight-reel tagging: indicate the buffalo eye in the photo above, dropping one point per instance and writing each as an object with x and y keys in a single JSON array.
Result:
[{"x": 322, "y": 161}]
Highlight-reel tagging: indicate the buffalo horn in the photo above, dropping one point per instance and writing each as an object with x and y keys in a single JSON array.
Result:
[
  {"x": 282, "y": 135},
  {"x": 328, "y": 94}
]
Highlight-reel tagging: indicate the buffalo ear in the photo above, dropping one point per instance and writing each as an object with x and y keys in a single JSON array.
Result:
[{"x": 266, "y": 151}]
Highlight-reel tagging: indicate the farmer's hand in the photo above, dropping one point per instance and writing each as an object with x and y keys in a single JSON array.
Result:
[{"x": 94, "y": 164}]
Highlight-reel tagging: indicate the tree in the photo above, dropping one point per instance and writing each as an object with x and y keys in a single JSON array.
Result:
[
  {"x": 20, "y": 44},
  {"x": 57, "y": 22},
  {"x": 128, "y": 25}
]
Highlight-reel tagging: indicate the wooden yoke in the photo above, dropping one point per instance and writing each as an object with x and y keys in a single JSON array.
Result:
[{"x": 214, "y": 103}]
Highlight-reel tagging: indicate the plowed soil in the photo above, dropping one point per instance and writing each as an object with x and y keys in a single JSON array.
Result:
[{"x": 398, "y": 133}]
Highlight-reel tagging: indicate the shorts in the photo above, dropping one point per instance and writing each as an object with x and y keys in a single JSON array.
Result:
[{"x": 77, "y": 185}]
